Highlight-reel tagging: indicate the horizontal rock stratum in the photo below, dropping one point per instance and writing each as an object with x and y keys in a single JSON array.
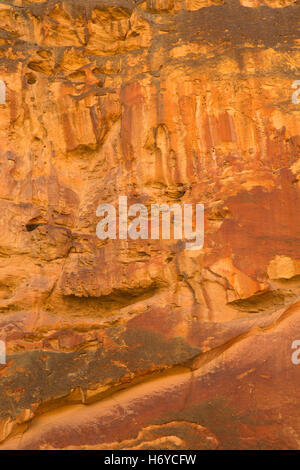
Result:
[{"x": 141, "y": 344}]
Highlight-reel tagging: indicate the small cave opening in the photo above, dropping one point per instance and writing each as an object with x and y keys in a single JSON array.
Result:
[{"x": 31, "y": 227}]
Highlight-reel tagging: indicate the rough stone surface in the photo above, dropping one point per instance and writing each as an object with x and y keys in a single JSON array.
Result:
[{"x": 143, "y": 344}]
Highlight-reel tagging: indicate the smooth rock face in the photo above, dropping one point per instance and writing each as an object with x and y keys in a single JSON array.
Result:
[{"x": 142, "y": 344}]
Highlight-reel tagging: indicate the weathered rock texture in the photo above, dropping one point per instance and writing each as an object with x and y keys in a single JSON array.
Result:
[{"x": 143, "y": 344}]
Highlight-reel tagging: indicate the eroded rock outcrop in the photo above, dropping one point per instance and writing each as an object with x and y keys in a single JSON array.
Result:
[{"x": 164, "y": 101}]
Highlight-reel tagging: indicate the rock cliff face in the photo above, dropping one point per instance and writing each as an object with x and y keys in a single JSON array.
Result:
[{"x": 141, "y": 344}]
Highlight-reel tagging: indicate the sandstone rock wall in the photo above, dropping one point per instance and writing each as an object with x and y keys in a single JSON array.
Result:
[{"x": 164, "y": 101}]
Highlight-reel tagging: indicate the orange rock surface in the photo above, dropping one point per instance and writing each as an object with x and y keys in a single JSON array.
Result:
[{"x": 142, "y": 344}]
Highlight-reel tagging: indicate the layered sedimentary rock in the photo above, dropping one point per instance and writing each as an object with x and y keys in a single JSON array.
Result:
[{"x": 142, "y": 344}]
